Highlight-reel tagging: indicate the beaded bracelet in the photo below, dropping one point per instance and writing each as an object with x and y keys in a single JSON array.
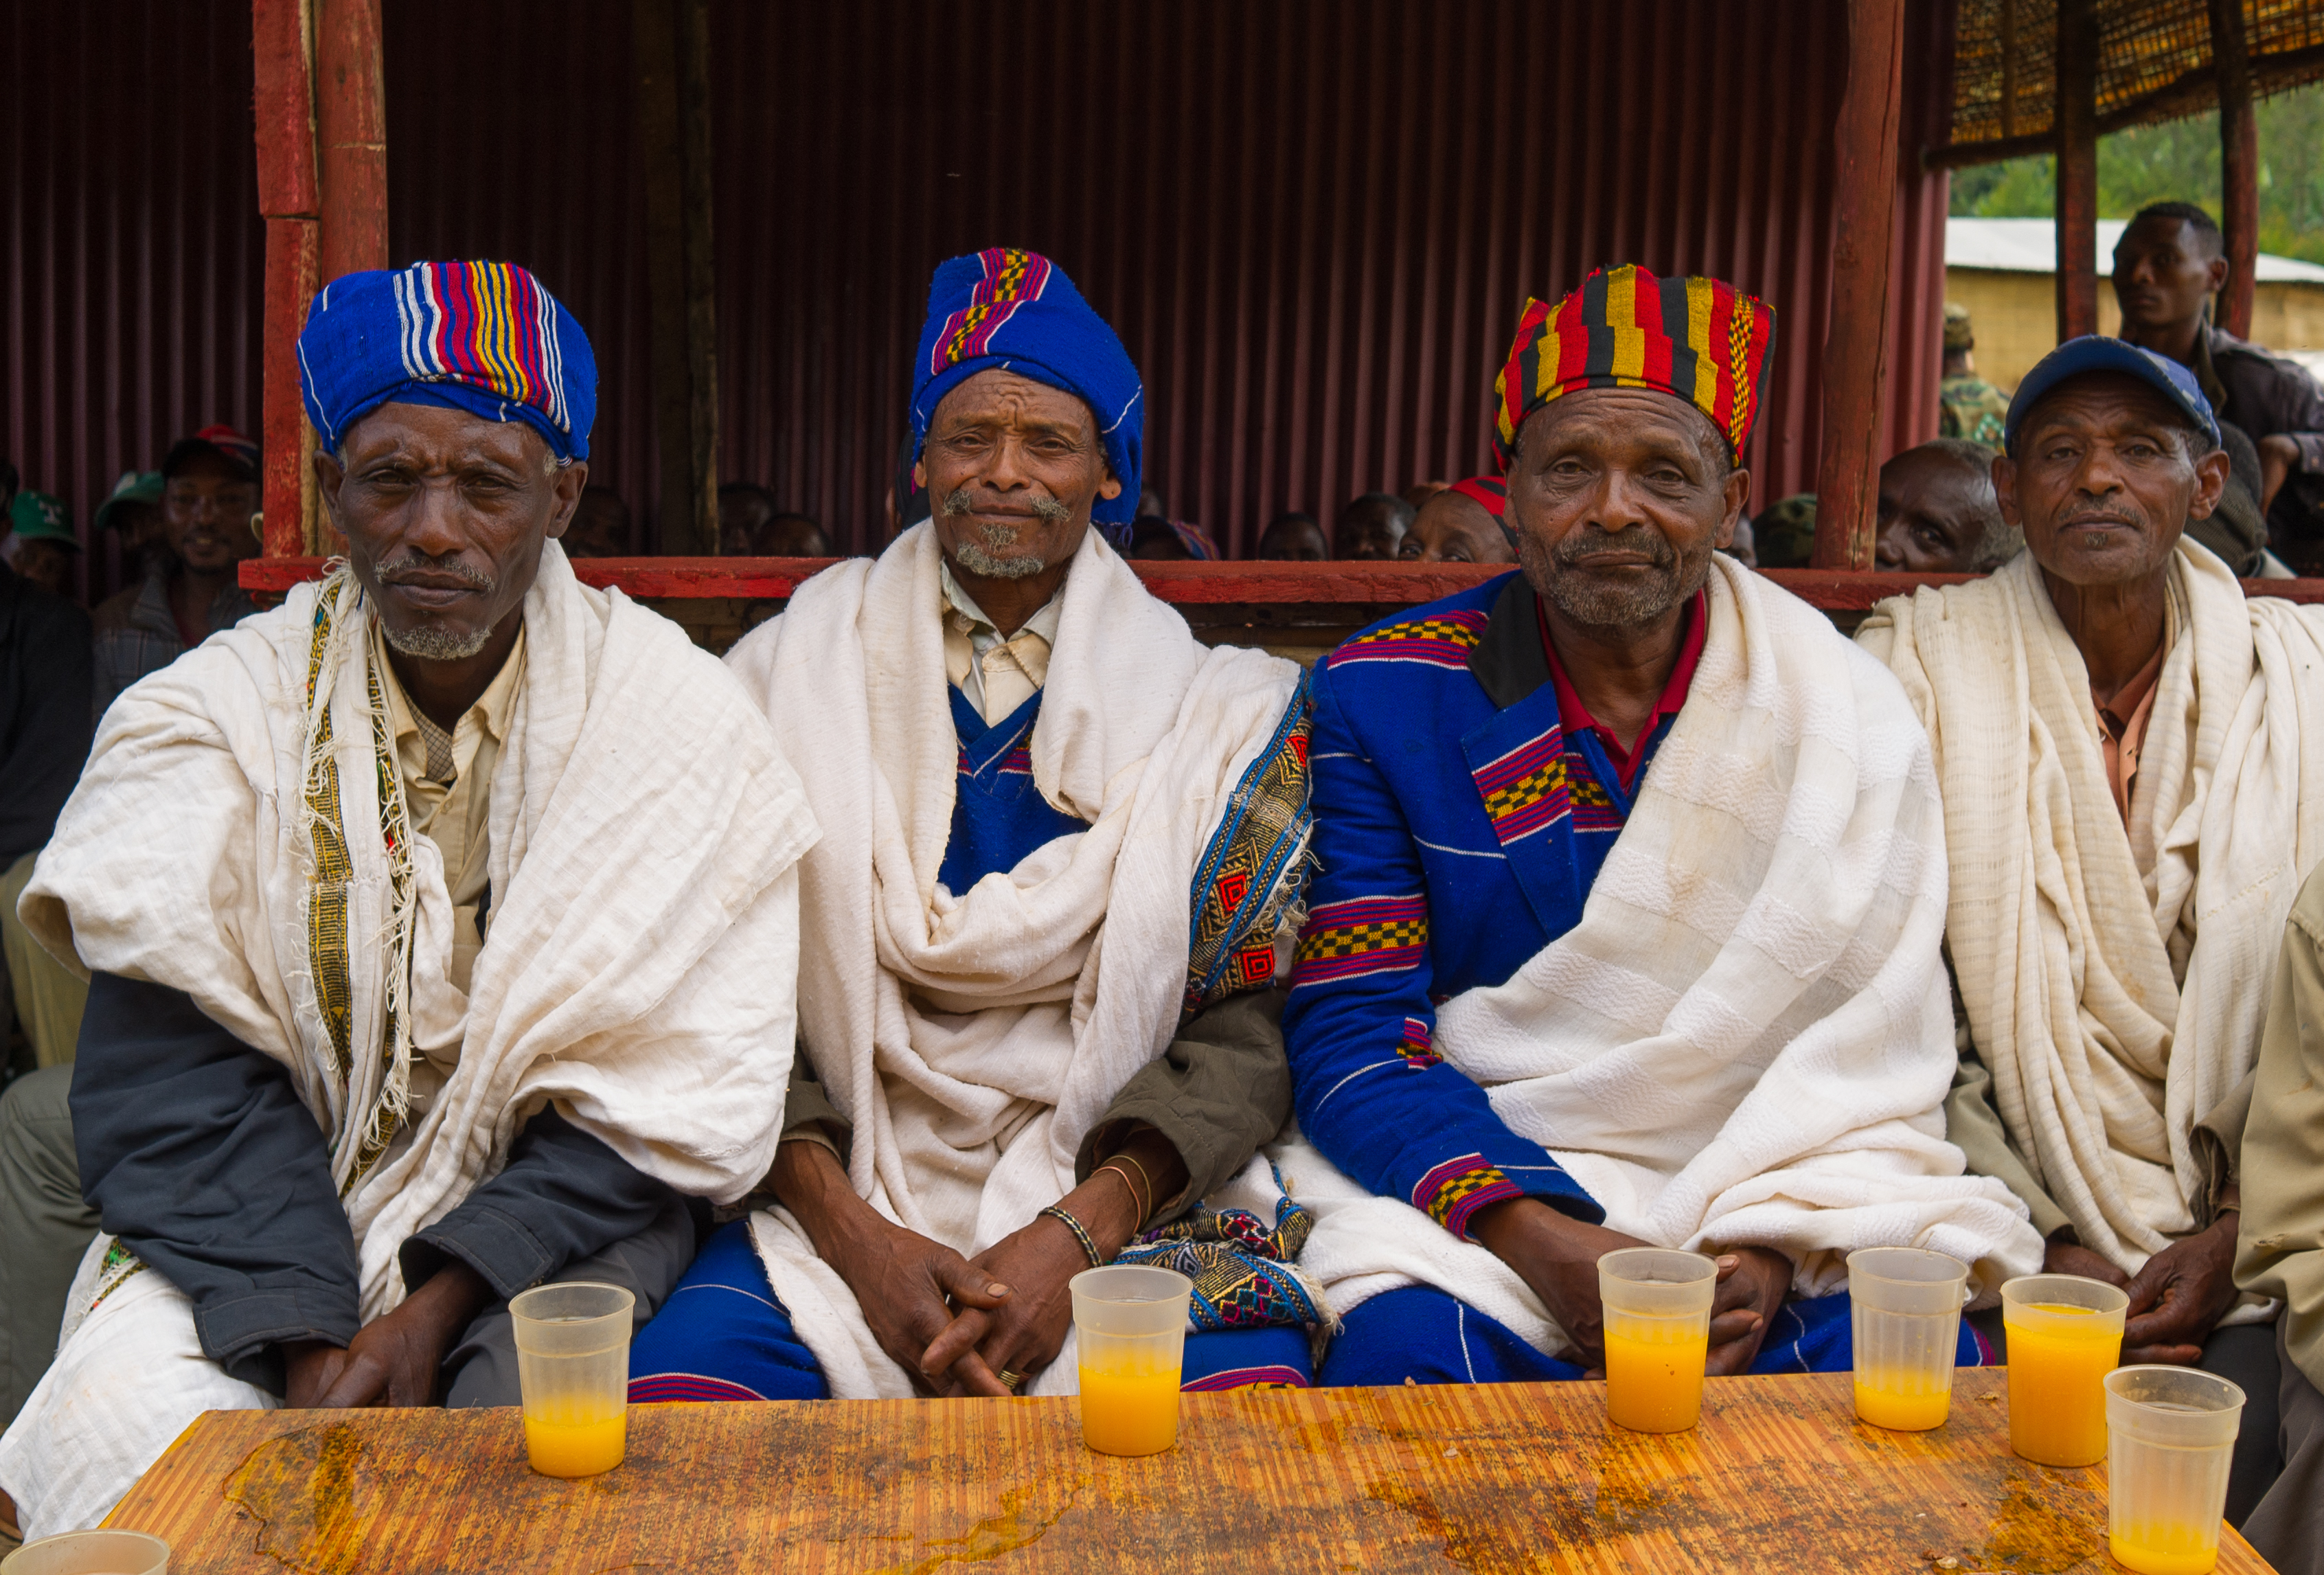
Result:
[{"x": 1080, "y": 1234}]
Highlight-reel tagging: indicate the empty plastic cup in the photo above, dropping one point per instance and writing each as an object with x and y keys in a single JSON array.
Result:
[
  {"x": 2171, "y": 1436},
  {"x": 1129, "y": 1323},
  {"x": 572, "y": 1366},
  {"x": 1905, "y": 1305},
  {"x": 2065, "y": 1336},
  {"x": 1657, "y": 1311},
  {"x": 99, "y": 1553}
]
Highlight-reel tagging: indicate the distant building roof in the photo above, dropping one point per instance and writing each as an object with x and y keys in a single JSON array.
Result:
[{"x": 2030, "y": 246}]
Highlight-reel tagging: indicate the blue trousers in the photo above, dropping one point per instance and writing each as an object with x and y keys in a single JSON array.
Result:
[
  {"x": 1428, "y": 1337},
  {"x": 723, "y": 1335}
]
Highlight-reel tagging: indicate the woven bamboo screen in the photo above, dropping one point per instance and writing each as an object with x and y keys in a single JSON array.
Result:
[{"x": 2154, "y": 63}]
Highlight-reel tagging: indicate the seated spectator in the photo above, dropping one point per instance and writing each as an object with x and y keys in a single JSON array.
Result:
[
  {"x": 331, "y": 1117},
  {"x": 1372, "y": 527},
  {"x": 1462, "y": 523},
  {"x": 745, "y": 510},
  {"x": 795, "y": 536},
  {"x": 44, "y": 733},
  {"x": 1620, "y": 933},
  {"x": 1151, "y": 539},
  {"x": 2169, "y": 264},
  {"x": 1782, "y": 534},
  {"x": 1025, "y": 769},
  {"x": 134, "y": 513},
  {"x": 47, "y": 551},
  {"x": 600, "y": 527},
  {"x": 1293, "y": 538},
  {"x": 2280, "y": 1241},
  {"x": 2131, "y": 788},
  {"x": 209, "y": 493},
  {"x": 1937, "y": 514},
  {"x": 1970, "y": 409}
]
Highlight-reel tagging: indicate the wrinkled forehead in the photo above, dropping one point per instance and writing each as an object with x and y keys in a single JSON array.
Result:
[
  {"x": 999, "y": 396},
  {"x": 2105, "y": 404},
  {"x": 444, "y": 433},
  {"x": 1610, "y": 420}
]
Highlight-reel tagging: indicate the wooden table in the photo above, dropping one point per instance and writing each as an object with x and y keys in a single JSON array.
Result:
[{"x": 1493, "y": 1479}]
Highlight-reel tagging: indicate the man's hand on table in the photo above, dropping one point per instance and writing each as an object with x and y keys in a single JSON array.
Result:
[
  {"x": 1040, "y": 1260},
  {"x": 2179, "y": 1296},
  {"x": 1557, "y": 1256},
  {"x": 905, "y": 1282},
  {"x": 1752, "y": 1284},
  {"x": 395, "y": 1358}
]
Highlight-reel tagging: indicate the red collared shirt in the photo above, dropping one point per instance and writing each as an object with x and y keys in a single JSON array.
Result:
[{"x": 1574, "y": 717}]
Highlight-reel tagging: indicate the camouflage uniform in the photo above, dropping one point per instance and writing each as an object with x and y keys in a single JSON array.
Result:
[{"x": 1973, "y": 409}]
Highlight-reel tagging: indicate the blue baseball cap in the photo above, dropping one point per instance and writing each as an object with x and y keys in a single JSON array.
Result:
[{"x": 2098, "y": 353}]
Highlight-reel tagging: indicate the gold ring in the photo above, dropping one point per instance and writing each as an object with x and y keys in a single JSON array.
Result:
[{"x": 1009, "y": 1380}]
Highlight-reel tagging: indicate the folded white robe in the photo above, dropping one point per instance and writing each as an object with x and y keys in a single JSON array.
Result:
[
  {"x": 637, "y": 969},
  {"x": 2116, "y": 984},
  {"x": 1747, "y": 1040},
  {"x": 972, "y": 1039}
]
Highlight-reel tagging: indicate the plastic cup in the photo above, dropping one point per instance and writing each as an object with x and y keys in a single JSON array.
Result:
[
  {"x": 2065, "y": 1336},
  {"x": 1905, "y": 1305},
  {"x": 1657, "y": 1311},
  {"x": 98, "y": 1552},
  {"x": 573, "y": 1367},
  {"x": 1130, "y": 1324},
  {"x": 2171, "y": 1436}
]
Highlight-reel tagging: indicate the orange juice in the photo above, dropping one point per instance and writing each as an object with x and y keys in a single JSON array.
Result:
[
  {"x": 2167, "y": 1548},
  {"x": 1903, "y": 1402},
  {"x": 562, "y": 1447},
  {"x": 1129, "y": 1407},
  {"x": 1653, "y": 1373},
  {"x": 2057, "y": 1393}
]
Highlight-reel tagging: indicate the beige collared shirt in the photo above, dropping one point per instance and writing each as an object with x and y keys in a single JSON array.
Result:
[
  {"x": 997, "y": 673},
  {"x": 447, "y": 785}
]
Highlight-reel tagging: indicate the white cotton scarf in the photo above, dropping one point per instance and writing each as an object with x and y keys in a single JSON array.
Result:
[
  {"x": 2116, "y": 984},
  {"x": 1747, "y": 1039},
  {"x": 973, "y": 1038}
]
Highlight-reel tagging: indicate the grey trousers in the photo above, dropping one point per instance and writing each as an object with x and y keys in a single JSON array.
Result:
[
  {"x": 2288, "y": 1526},
  {"x": 44, "y": 1228},
  {"x": 482, "y": 1369}
]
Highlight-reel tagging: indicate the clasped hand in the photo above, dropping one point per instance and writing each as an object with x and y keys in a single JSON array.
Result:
[
  {"x": 396, "y": 1358},
  {"x": 2176, "y": 1300}
]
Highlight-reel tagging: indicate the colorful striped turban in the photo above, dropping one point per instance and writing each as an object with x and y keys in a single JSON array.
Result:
[
  {"x": 1696, "y": 339},
  {"x": 484, "y": 338},
  {"x": 1016, "y": 311}
]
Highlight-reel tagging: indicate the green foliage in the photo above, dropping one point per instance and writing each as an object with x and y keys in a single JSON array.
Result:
[{"x": 2179, "y": 161}]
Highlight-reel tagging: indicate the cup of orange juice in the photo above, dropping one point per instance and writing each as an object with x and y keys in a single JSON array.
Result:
[
  {"x": 573, "y": 1370},
  {"x": 2170, "y": 1437},
  {"x": 1905, "y": 1307},
  {"x": 2065, "y": 1336},
  {"x": 1130, "y": 1324},
  {"x": 1657, "y": 1311}
]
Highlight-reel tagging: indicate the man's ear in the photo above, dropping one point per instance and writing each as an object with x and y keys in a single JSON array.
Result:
[
  {"x": 569, "y": 482},
  {"x": 1738, "y": 493},
  {"x": 329, "y": 477},
  {"x": 2218, "y": 275},
  {"x": 2005, "y": 489},
  {"x": 1109, "y": 488},
  {"x": 2210, "y": 481}
]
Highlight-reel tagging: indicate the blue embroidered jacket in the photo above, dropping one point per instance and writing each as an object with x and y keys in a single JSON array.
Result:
[{"x": 1458, "y": 831}]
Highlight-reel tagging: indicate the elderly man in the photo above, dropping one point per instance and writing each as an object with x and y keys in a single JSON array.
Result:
[
  {"x": 1623, "y": 930},
  {"x": 441, "y": 925},
  {"x": 1937, "y": 514},
  {"x": 1059, "y": 838},
  {"x": 2131, "y": 759},
  {"x": 1463, "y": 523}
]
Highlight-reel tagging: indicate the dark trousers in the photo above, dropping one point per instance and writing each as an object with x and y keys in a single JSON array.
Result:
[{"x": 44, "y": 1228}]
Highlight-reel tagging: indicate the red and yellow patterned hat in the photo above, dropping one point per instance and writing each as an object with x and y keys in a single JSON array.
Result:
[{"x": 1700, "y": 340}]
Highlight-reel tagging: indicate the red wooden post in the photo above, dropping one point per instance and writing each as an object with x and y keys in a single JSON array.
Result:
[
  {"x": 351, "y": 123},
  {"x": 1855, "y": 346},
  {"x": 2239, "y": 164},
  {"x": 2076, "y": 122},
  {"x": 287, "y": 199}
]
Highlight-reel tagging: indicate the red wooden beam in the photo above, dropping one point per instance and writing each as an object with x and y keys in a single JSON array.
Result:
[
  {"x": 1283, "y": 584},
  {"x": 288, "y": 201},
  {"x": 351, "y": 126},
  {"x": 1856, "y": 345},
  {"x": 2076, "y": 120},
  {"x": 2239, "y": 164}
]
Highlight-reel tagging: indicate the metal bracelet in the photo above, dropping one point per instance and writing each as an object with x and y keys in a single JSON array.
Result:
[
  {"x": 1080, "y": 1234},
  {"x": 1143, "y": 1205}
]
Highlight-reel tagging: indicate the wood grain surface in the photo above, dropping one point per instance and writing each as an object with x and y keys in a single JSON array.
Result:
[{"x": 1492, "y": 1479}]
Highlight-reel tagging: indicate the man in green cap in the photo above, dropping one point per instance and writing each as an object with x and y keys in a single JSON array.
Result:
[
  {"x": 134, "y": 509},
  {"x": 46, "y": 547},
  {"x": 1972, "y": 409},
  {"x": 210, "y": 491}
]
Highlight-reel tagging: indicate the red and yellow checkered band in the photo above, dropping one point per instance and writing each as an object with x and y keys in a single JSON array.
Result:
[
  {"x": 1011, "y": 278},
  {"x": 1700, "y": 340}
]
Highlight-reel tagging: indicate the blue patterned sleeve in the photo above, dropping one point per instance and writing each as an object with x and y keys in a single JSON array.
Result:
[{"x": 1370, "y": 1092}]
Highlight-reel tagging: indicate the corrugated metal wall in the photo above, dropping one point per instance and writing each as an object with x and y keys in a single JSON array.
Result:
[{"x": 1313, "y": 223}]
